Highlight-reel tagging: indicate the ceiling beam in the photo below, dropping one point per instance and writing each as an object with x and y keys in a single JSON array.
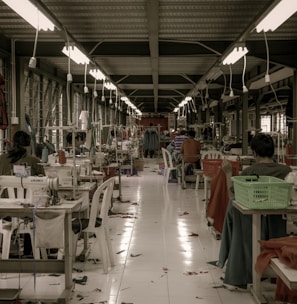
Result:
[{"x": 152, "y": 11}]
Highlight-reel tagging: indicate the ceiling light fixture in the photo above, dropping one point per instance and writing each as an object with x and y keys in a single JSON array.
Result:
[
  {"x": 109, "y": 85},
  {"x": 238, "y": 52},
  {"x": 31, "y": 14},
  {"x": 74, "y": 53},
  {"x": 277, "y": 16},
  {"x": 97, "y": 74}
]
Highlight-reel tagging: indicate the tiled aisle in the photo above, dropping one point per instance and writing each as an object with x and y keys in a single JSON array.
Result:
[{"x": 161, "y": 244}]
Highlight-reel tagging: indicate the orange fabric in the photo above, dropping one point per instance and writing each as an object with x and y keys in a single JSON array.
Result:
[
  {"x": 283, "y": 248},
  {"x": 218, "y": 202},
  {"x": 189, "y": 148},
  {"x": 286, "y": 250}
]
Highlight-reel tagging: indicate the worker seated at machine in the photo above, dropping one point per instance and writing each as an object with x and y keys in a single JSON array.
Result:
[
  {"x": 190, "y": 149},
  {"x": 236, "y": 245},
  {"x": 79, "y": 141}
]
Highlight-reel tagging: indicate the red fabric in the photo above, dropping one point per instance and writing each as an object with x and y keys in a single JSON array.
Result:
[
  {"x": 286, "y": 250},
  {"x": 284, "y": 294},
  {"x": 218, "y": 202}
]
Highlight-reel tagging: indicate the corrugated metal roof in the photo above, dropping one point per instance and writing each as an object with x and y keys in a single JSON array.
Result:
[{"x": 156, "y": 52}]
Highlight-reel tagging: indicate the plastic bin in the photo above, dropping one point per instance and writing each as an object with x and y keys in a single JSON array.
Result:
[{"x": 265, "y": 192}]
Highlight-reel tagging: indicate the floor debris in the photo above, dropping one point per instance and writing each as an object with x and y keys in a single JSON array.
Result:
[{"x": 81, "y": 281}]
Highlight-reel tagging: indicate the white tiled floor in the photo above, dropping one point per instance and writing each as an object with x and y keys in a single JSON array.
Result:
[{"x": 161, "y": 244}]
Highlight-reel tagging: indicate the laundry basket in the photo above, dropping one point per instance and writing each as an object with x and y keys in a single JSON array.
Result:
[
  {"x": 211, "y": 166},
  {"x": 264, "y": 192}
]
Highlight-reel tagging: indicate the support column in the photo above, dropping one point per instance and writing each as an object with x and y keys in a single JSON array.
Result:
[
  {"x": 245, "y": 123},
  {"x": 294, "y": 88}
]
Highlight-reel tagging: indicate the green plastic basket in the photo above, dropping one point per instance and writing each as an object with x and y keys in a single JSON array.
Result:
[{"x": 265, "y": 192}]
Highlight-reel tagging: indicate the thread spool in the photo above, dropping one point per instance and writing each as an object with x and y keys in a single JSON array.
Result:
[
  {"x": 62, "y": 157},
  {"x": 44, "y": 156}
]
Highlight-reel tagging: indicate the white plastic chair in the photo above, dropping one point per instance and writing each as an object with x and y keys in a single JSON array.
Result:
[
  {"x": 98, "y": 222},
  {"x": 167, "y": 158},
  {"x": 210, "y": 154}
]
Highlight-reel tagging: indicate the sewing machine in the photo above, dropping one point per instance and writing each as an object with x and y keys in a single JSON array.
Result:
[
  {"x": 64, "y": 173},
  {"x": 38, "y": 190}
]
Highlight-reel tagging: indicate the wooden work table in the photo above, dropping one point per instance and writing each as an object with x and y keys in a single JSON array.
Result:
[{"x": 256, "y": 235}]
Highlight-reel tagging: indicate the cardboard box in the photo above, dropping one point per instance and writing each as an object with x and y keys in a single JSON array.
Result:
[{"x": 138, "y": 164}]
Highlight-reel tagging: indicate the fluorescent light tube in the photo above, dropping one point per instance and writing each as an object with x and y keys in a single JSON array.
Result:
[
  {"x": 235, "y": 55},
  {"x": 97, "y": 74},
  {"x": 277, "y": 16},
  {"x": 109, "y": 85},
  {"x": 31, "y": 14},
  {"x": 75, "y": 54}
]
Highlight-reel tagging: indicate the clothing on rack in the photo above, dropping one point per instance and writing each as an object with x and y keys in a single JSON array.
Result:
[{"x": 150, "y": 141}]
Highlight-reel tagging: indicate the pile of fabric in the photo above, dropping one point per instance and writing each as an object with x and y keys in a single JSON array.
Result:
[{"x": 286, "y": 250}]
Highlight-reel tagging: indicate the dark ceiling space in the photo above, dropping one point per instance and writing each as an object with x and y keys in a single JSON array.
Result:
[{"x": 157, "y": 52}]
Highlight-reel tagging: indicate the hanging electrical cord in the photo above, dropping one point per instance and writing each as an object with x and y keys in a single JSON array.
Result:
[
  {"x": 244, "y": 88},
  {"x": 191, "y": 105},
  {"x": 69, "y": 80},
  {"x": 102, "y": 92},
  {"x": 231, "y": 94},
  {"x": 94, "y": 98},
  {"x": 194, "y": 106},
  {"x": 32, "y": 62},
  {"x": 267, "y": 76},
  {"x": 225, "y": 85},
  {"x": 86, "y": 90},
  {"x": 281, "y": 156},
  {"x": 110, "y": 95}
]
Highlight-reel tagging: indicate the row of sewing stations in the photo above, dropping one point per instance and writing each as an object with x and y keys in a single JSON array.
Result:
[
  {"x": 211, "y": 162},
  {"x": 50, "y": 204}
]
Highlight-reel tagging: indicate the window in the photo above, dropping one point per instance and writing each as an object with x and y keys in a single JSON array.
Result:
[{"x": 265, "y": 123}]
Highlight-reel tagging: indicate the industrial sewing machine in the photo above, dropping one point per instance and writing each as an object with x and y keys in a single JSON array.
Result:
[
  {"x": 65, "y": 174},
  {"x": 34, "y": 189}
]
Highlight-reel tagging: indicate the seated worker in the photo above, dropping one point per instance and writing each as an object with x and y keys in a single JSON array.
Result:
[
  {"x": 19, "y": 154},
  {"x": 190, "y": 149},
  {"x": 236, "y": 241},
  {"x": 177, "y": 143},
  {"x": 80, "y": 138}
]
